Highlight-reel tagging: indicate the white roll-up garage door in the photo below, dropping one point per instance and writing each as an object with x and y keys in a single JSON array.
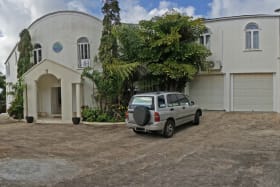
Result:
[
  {"x": 208, "y": 91},
  {"x": 252, "y": 92}
]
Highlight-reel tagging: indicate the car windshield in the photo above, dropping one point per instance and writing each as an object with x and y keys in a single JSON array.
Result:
[{"x": 147, "y": 101}]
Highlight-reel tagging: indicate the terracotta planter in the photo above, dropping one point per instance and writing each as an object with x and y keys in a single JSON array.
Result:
[
  {"x": 76, "y": 120},
  {"x": 29, "y": 119}
]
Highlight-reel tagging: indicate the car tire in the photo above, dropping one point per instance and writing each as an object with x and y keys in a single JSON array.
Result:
[
  {"x": 141, "y": 115},
  {"x": 169, "y": 129},
  {"x": 196, "y": 118}
]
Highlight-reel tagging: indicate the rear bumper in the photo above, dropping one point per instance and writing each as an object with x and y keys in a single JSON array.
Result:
[{"x": 159, "y": 126}]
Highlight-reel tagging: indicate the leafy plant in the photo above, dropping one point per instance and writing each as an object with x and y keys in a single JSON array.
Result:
[
  {"x": 16, "y": 108},
  {"x": 3, "y": 93},
  {"x": 116, "y": 114}
]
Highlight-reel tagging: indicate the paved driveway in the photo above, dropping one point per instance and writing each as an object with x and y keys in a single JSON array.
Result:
[{"x": 226, "y": 149}]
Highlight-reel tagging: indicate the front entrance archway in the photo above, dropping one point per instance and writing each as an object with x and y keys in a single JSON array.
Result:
[
  {"x": 49, "y": 92},
  {"x": 49, "y": 96}
]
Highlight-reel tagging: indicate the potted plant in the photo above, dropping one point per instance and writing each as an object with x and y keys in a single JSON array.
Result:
[
  {"x": 29, "y": 119},
  {"x": 76, "y": 120}
]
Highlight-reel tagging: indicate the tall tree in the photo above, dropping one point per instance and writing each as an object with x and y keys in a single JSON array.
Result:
[
  {"x": 2, "y": 93},
  {"x": 108, "y": 48},
  {"x": 168, "y": 48},
  {"x": 25, "y": 49}
]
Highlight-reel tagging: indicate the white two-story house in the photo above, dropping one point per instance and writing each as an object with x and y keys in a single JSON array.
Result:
[
  {"x": 245, "y": 65},
  {"x": 65, "y": 43},
  {"x": 244, "y": 73}
]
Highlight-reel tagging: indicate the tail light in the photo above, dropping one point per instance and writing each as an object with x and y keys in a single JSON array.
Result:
[
  {"x": 156, "y": 117},
  {"x": 126, "y": 115}
]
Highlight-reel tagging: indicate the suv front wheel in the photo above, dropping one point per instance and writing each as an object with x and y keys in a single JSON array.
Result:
[
  {"x": 169, "y": 129},
  {"x": 196, "y": 118}
]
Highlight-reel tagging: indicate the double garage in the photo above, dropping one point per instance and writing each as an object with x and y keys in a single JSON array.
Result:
[{"x": 246, "y": 92}]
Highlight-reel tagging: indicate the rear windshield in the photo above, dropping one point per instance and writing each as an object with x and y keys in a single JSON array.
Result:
[{"x": 147, "y": 101}]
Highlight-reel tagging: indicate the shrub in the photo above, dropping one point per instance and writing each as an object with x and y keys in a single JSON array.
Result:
[{"x": 115, "y": 114}]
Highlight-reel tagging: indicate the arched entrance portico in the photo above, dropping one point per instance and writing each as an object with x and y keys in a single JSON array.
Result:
[{"x": 52, "y": 91}]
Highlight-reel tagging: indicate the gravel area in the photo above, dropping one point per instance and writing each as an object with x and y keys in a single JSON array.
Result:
[{"x": 226, "y": 149}]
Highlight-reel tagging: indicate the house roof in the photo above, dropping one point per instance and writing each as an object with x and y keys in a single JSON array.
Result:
[
  {"x": 63, "y": 12},
  {"x": 54, "y": 68},
  {"x": 242, "y": 17}
]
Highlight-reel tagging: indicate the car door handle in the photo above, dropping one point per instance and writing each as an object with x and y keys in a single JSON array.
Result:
[{"x": 171, "y": 109}]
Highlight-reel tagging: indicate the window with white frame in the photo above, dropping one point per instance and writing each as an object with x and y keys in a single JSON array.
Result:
[
  {"x": 83, "y": 52},
  {"x": 37, "y": 53},
  {"x": 252, "y": 36},
  {"x": 205, "y": 38}
]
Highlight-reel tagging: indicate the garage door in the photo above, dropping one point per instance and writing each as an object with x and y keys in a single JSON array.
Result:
[
  {"x": 208, "y": 91},
  {"x": 253, "y": 92}
]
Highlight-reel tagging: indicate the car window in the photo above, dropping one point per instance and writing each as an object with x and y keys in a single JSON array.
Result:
[
  {"x": 172, "y": 100},
  {"x": 147, "y": 101},
  {"x": 161, "y": 101},
  {"x": 183, "y": 100}
]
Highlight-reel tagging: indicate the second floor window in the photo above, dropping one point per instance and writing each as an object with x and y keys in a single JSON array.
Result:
[
  {"x": 83, "y": 52},
  {"x": 205, "y": 39},
  {"x": 252, "y": 36},
  {"x": 37, "y": 53}
]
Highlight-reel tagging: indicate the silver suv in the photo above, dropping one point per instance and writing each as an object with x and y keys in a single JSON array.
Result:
[{"x": 160, "y": 111}]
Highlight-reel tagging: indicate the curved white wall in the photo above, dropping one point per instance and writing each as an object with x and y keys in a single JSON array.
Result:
[{"x": 66, "y": 28}]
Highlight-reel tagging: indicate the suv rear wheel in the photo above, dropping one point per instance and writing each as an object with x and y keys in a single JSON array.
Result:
[{"x": 169, "y": 129}]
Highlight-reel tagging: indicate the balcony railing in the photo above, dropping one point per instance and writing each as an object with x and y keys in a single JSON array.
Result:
[{"x": 84, "y": 63}]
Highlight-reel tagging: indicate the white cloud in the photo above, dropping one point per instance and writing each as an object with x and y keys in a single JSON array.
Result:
[
  {"x": 76, "y": 5},
  {"x": 220, "y": 8},
  {"x": 133, "y": 12},
  {"x": 166, "y": 4}
]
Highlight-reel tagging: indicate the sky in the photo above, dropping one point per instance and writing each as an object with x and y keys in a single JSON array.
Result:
[{"x": 16, "y": 15}]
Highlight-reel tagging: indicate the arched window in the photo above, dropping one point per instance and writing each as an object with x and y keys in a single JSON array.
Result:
[
  {"x": 252, "y": 36},
  {"x": 37, "y": 53},
  {"x": 83, "y": 52},
  {"x": 205, "y": 38}
]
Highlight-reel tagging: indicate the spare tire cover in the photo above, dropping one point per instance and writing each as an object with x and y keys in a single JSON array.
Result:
[{"x": 141, "y": 115}]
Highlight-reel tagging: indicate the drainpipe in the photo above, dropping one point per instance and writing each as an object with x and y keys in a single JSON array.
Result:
[{"x": 278, "y": 66}]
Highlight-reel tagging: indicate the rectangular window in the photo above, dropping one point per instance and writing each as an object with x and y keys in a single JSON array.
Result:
[
  {"x": 172, "y": 100},
  {"x": 161, "y": 101},
  {"x": 35, "y": 56},
  {"x": 147, "y": 101},
  {"x": 256, "y": 39},
  {"x": 83, "y": 55},
  {"x": 207, "y": 42},
  {"x": 248, "y": 40},
  {"x": 183, "y": 100},
  {"x": 201, "y": 41},
  {"x": 39, "y": 55}
]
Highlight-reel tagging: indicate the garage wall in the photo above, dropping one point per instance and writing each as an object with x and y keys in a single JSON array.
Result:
[
  {"x": 208, "y": 91},
  {"x": 252, "y": 92}
]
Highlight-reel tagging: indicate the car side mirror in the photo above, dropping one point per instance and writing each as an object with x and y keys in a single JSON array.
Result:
[{"x": 192, "y": 103}]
